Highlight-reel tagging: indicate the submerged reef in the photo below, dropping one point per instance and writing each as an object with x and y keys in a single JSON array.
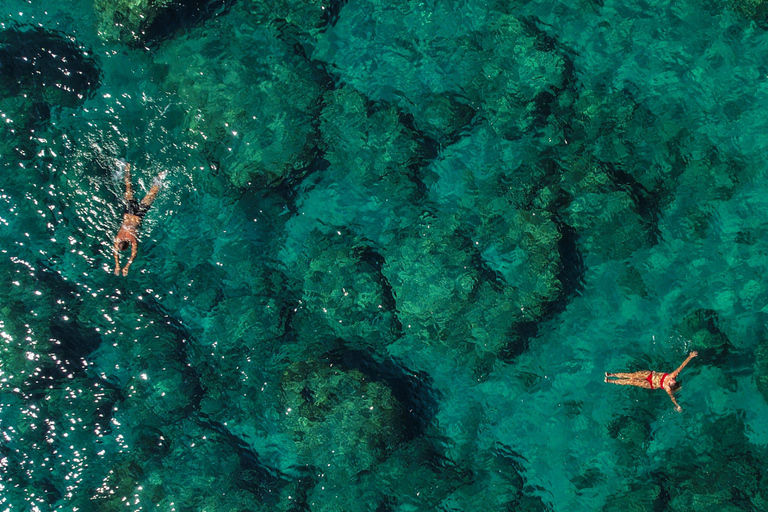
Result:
[
  {"x": 441, "y": 74},
  {"x": 162, "y": 472},
  {"x": 503, "y": 269},
  {"x": 148, "y": 22},
  {"x": 40, "y": 71},
  {"x": 608, "y": 224},
  {"x": 301, "y": 21},
  {"x": 685, "y": 482},
  {"x": 367, "y": 145},
  {"x": 517, "y": 88},
  {"x": 754, "y": 10},
  {"x": 342, "y": 423},
  {"x": 256, "y": 134},
  {"x": 46, "y": 66},
  {"x": 701, "y": 328},
  {"x": 761, "y": 369},
  {"x": 678, "y": 481},
  {"x": 343, "y": 294}
]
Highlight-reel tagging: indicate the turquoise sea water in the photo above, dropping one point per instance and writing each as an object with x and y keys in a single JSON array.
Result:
[{"x": 398, "y": 246}]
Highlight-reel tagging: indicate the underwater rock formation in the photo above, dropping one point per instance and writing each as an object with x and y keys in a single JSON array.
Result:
[
  {"x": 615, "y": 144},
  {"x": 45, "y": 340},
  {"x": 617, "y": 147},
  {"x": 257, "y": 326},
  {"x": 632, "y": 433},
  {"x": 608, "y": 224},
  {"x": 28, "y": 121},
  {"x": 343, "y": 293},
  {"x": 159, "y": 396},
  {"x": 519, "y": 79},
  {"x": 148, "y": 22},
  {"x": 418, "y": 477},
  {"x": 754, "y": 10},
  {"x": 682, "y": 481},
  {"x": 738, "y": 486},
  {"x": 761, "y": 369},
  {"x": 432, "y": 276},
  {"x": 709, "y": 178},
  {"x": 39, "y": 70},
  {"x": 609, "y": 167},
  {"x": 156, "y": 468},
  {"x": 636, "y": 499},
  {"x": 492, "y": 480},
  {"x": 445, "y": 116},
  {"x": 306, "y": 18},
  {"x": 46, "y": 66},
  {"x": 442, "y": 72},
  {"x": 49, "y": 438},
  {"x": 334, "y": 254},
  {"x": 250, "y": 101},
  {"x": 342, "y": 422},
  {"x": 481, "y": 188},
  {"x": 631, "y": 281},
  {"x": 370, "y": 178},
  {"x": 700, "y": 328},
  {"x": 26, "y": 341},
  {"x": 366, "y": 144}
]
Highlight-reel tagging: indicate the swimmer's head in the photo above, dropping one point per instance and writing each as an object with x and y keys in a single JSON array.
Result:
[
  {"x": 123, "y": 245},
  {"x": 674, "y": 384}
]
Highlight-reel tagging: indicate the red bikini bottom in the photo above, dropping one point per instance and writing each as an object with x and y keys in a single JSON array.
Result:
[{"x": 649, "y": 378}]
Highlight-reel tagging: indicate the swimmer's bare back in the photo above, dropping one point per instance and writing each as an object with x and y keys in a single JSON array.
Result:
[
  {"x": 652, "y": 380},
  {"x": 132, "y": 216}
]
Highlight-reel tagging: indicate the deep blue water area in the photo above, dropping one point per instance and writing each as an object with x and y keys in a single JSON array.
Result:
[{"x": 397, "y": 247}]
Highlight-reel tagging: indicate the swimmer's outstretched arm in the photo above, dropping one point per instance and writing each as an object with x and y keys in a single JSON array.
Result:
[
  {"x": 677, "y": 406},
  {"x": 687, "y": 360}
]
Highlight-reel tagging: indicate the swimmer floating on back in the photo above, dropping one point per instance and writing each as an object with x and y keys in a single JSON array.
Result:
[
  {"x": 134, "y": 212},
  {"x": 652, "y": 380}
]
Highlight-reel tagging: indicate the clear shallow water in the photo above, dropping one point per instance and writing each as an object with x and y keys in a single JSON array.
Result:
[{"x": 398, "y": 247}]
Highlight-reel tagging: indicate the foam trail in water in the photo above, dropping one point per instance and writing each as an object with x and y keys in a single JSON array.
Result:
[
  {"x": 106, "y": 161},
  {"x": 118, "y": 172}
]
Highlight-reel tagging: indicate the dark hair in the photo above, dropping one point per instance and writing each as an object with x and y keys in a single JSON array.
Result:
[
  {"x": 123, "y": 245},
  {"x": 676, "y": 385}
]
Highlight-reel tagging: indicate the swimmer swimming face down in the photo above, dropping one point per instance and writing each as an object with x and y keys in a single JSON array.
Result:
[{"x": 132, "y": 216}]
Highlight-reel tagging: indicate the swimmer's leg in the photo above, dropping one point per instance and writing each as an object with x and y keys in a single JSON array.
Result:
[
  {"x": 157, "y": 183},
  {"x": 127, "y": 179},
  {"x": 633, "y": 375},
  {"x": 628, "y": 382},
  {"x": 629, "y": 379}
]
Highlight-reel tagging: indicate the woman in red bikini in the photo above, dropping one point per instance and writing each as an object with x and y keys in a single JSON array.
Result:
[{"x": 652, "y": 380}]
